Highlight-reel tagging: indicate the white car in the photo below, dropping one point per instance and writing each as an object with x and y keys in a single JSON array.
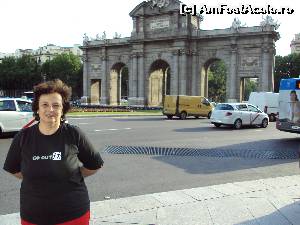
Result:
[
  {"x": 14, "y": 114},
  {"x": 237, "y": 115}
]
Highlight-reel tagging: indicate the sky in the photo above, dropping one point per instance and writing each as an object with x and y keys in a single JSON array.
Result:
[{"x": 30, "y": 24}]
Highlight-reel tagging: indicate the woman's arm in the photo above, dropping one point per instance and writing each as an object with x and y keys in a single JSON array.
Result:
[{"x": 86, "y": 172}]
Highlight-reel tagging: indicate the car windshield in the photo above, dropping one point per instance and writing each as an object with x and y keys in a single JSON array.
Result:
[{"x": 224, "y": 107}]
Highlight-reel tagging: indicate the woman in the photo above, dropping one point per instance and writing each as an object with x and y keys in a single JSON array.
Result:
[
  {"x": 294, "y": 108},
  {"x": 52, "y": 157}
]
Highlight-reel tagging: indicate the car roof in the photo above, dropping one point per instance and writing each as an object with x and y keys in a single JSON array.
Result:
[
  {"x": 236, "y": 103},
  {"x": 21, "y": 99}
]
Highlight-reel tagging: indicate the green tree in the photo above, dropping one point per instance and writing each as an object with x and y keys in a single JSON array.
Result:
[
  {"x": 19, "y": 73},
  {"x": 217, "y": 81},
  {"x": 286, "y": 67},
  {"x": 68, "y": 68},
  {"x": 250, "y": 86}
]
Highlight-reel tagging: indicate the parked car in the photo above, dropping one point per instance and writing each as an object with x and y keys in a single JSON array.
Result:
[
  {"x": 238, "y": 114},
  {"x": 14, "y": 114}
]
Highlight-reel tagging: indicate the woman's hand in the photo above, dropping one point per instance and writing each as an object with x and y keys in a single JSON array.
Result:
[{"x": 18, "y": 175}]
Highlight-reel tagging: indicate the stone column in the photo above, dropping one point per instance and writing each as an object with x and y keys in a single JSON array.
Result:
[
  {"x": 267, "y": 82},
  {"x": 133, "y": 80},
  {"x": 104, "y": 83},
  {"x": 175, "y": 74},
  {"x": 85, "y": 74},
  {"x": 141, "y": 80},
  {"x": 233, "y": 75},
  {"x": 194, "y": 81},
  {"x": 183, "y": 71}
]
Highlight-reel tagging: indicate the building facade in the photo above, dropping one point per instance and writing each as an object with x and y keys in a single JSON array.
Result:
[
  {"x": 42, "y": 54},
  {"x": 295, "y": 44},
  {"x": 168, "y": 53}
]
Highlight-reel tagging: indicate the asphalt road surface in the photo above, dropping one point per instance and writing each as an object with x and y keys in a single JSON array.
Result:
[{"x": 220, "y": 155}]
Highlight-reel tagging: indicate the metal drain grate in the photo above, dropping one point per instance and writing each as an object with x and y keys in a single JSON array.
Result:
[{"x": 195, "y": 152}]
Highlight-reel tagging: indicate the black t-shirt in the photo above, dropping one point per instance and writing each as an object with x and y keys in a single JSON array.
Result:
[{"x": 53, "y": 189}]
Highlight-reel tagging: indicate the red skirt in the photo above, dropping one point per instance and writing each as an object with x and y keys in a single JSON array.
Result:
[{"x": 83, "y": 220}]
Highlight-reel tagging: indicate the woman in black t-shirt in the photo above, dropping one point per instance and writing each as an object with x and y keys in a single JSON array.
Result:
[{"x": 52, "y": 157}]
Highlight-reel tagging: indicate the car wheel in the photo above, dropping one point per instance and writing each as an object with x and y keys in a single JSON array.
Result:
[
  {"x": 264, "y": 123},
  {"x": 169, "y": 117},
  {"x": 183, "y": 115},
  {"x": 238, "y": 124},
  {"x": 272, "y": 118},
  {"x": 217, "y": 124},
  {"x": 197, "y": 117},
  {"x": 0, "y": 132},
  {"x": 209, "y": 115}
]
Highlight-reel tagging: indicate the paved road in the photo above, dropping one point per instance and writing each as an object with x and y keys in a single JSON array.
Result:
[{"x": 132, "y": 174}]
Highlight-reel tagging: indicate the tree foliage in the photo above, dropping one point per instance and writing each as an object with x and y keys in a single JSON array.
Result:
[
  {"x": 24, "y": 72},
  {"x": 66, "y": 67},
  {"x": 217, "y": 81},
  {"x": 250, "y": 86},
  {"x": 19, "y": 73},
  {"x": 286, "y": 67}
]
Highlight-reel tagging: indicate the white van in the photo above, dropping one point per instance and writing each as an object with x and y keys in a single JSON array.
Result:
[{"x": 267, "y": 102}]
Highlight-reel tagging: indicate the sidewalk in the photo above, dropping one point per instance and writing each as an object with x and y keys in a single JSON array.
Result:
[{"x": 272, "y": 201}]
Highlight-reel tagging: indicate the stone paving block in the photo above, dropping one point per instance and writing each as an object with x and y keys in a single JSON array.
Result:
[
  {"x": 203, "y": 193},
  {"x": 106, "y": 208},
  {"x": 251, "y": 186},
  {"x": 264, "y": 211},
  {"x": 268, "y": 194},
  {"x": 173, "y": 198},
  {"x": 139, "y": 203},
  {"x": 288, "y": 192},
  {"x": 280, "y": 182},
  {"x": 10, "y": 219},
  {"x": 146, "y": 217},
  {"x": 229, "y": 189},
  {"x": 188, "y": 214},
  {"x": 228, "y": 211}
]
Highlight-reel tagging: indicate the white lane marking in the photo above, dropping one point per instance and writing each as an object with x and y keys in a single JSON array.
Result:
[{"x": 113, "y": 129}]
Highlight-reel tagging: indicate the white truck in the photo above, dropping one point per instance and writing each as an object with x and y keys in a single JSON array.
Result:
[{"x": 267, "y": 102}]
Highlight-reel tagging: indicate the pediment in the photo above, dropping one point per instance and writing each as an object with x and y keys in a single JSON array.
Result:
[{"x": 155, "y": 7}]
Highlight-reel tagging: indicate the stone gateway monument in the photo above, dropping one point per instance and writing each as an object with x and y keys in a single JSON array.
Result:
[{"x": 168, "y": 53}]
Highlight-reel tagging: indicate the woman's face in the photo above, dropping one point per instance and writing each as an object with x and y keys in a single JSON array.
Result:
[
  {"x": 293, "y": 96},
  {"x": 50, "y": 108}
]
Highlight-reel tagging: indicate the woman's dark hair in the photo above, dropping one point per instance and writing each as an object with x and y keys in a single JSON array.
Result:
[
  {"x": 49, "y": 87},
  {"x": 294, "y": 92}
]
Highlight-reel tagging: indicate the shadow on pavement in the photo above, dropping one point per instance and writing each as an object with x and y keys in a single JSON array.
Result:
[
  {"x": 238, "y": 157},
  {"x": 288, "y": 214}
]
